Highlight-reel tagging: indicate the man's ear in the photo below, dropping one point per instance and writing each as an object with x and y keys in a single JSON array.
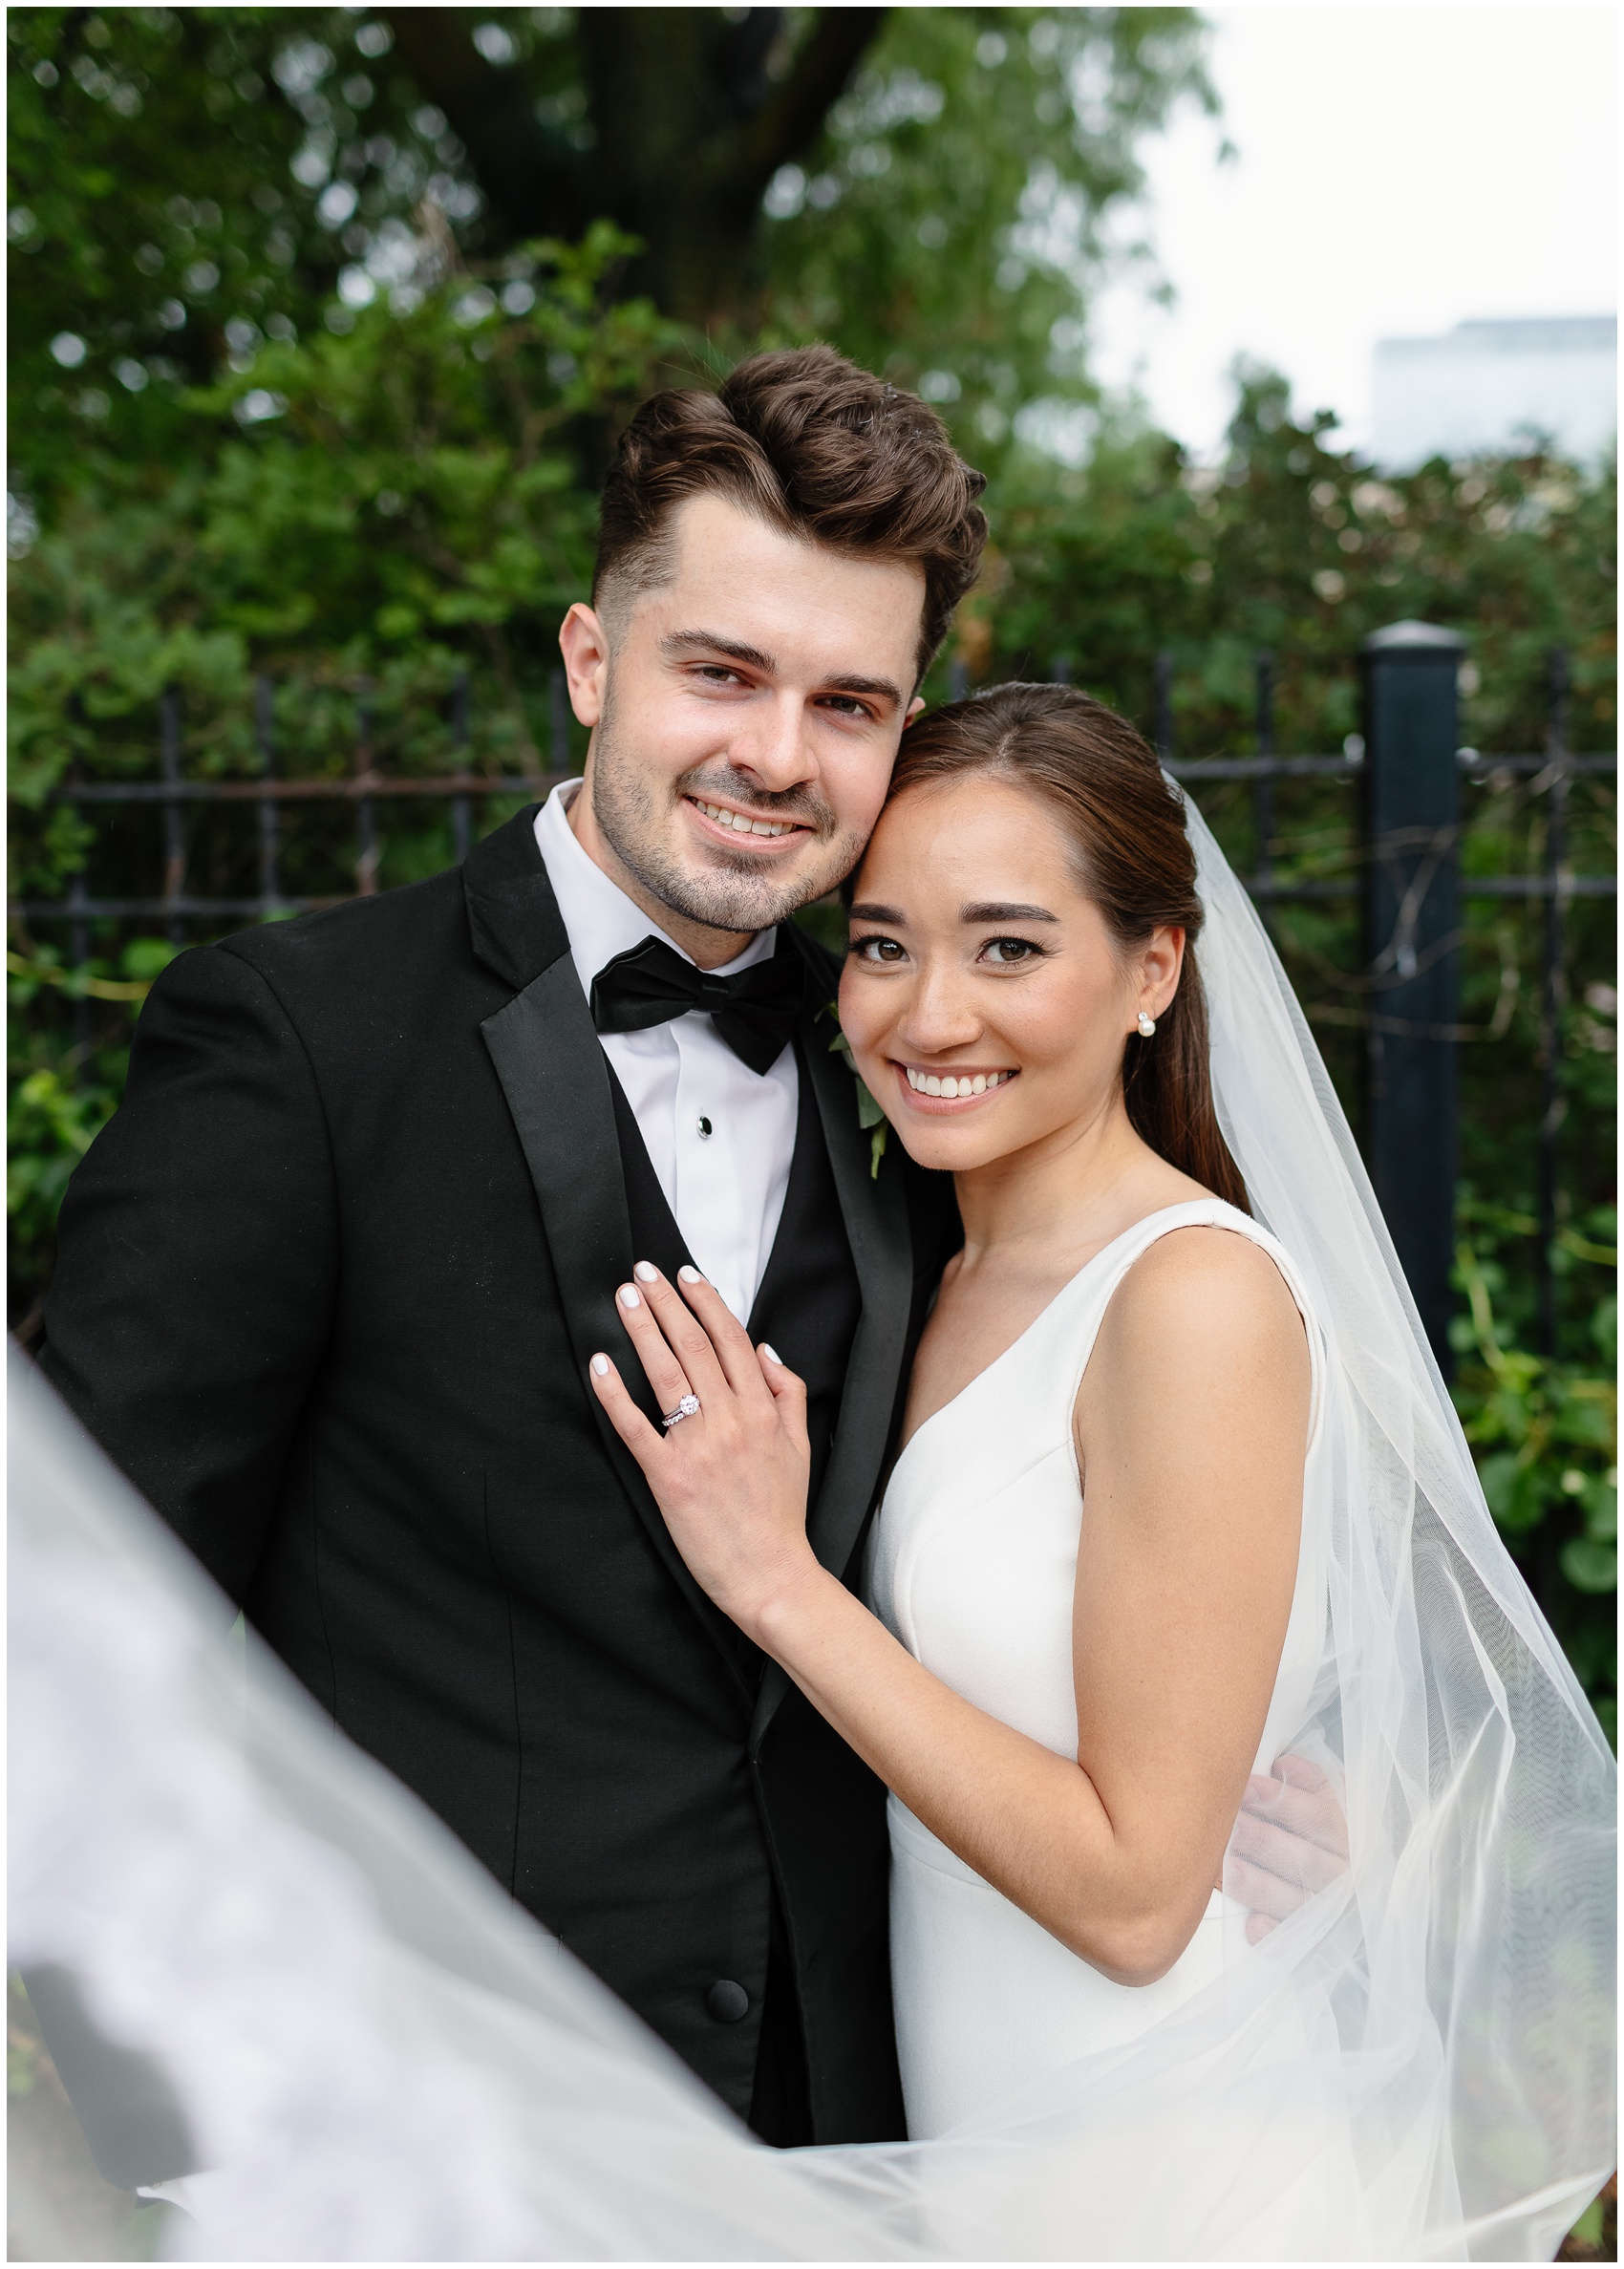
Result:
[
  {"x": 914, "y": 708},
  {"x": 583, "y": 643}
]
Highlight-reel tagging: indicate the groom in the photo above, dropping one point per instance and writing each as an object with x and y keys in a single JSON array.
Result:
[{"x": 330, "y": 1279}]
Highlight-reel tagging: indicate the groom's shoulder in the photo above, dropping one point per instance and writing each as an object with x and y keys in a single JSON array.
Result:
[
  {"x": 474, "y": 933},
  {"x": 398, "y": 938}
]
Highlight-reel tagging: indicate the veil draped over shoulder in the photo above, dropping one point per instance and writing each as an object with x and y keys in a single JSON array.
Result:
[{"x": 367, "y": 2052}]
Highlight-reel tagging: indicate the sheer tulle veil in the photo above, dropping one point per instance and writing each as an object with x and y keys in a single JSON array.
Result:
[{"x": 370, "y": 2054}]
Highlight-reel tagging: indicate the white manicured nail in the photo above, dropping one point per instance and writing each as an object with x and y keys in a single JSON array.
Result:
[
  {"x": 631, "y": 1296},
  {"x": 689, "y": 1275},
  {"x": 772, "y": 1354},
  {"x": 646, "y": 1273},
  {"x": 600, "y": 1365}
]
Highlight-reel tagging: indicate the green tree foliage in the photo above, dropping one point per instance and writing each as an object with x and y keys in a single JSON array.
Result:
[
  {"x": 1293, "y": 544},
  {"x": 187, "y": 184},
  {"x": 945, "y": 228},
  {"x": 184, "y": 184}
]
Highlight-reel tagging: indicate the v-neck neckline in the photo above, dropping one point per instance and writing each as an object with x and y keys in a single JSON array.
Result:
[{"x": 1046, "y": 1311}]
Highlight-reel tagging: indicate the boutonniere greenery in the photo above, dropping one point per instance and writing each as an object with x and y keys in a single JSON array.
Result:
[{"x": 869, "y": 1112}]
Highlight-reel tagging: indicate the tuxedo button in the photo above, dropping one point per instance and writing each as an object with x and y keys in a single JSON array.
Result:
[
  {"x": 704, "y": 1130},
  {"x": 727, "y": 2001}
]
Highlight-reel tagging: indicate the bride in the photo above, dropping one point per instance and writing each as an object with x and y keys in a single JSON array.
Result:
[
  {"x": 1181, "y": 1527},
  {"x": 1097, "y": 1604},
  {"x": 1150, "y": 1528}
]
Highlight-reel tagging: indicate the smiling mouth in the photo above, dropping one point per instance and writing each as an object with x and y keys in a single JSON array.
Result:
[
  {"x": 953, "y": 1086},
  {"x": 743, "y": 825}
]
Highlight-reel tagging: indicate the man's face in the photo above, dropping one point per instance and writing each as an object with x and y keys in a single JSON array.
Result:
[{"x": 745, "y": 716}]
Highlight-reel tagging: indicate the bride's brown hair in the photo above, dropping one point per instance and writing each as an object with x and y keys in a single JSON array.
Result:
[{"x": 1126, "y": 821}]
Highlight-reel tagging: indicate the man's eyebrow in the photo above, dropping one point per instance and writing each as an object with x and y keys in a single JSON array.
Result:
[
  {"x": 877, "y": 689},
  {"x": 710, "y": 642},
  {"x": 681, "y": 642},
  {"x": 994, "y": 912},
  {"x": 888, "y": 915}
]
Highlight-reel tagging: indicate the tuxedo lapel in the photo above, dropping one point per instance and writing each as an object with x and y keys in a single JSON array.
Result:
[
  {"x": 875, "y": 1212},
  {"x": 556, "y": 1081}
]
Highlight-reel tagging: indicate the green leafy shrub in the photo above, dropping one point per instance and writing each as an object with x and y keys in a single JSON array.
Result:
[{"x": 1544, "y": 1430}]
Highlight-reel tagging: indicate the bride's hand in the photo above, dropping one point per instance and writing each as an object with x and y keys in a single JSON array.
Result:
[{"x": 731, "y": 1479}]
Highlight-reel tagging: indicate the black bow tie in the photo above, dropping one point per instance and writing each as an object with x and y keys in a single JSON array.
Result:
[{"x": 755, "y": 1009}]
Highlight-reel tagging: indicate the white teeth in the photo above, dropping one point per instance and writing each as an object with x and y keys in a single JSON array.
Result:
[
  {"x": 952, "y": 1089},
  {"x": 741, "y": 823}
]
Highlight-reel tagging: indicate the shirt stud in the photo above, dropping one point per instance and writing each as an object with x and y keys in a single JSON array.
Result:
[{"x": 704, "y": 1130}]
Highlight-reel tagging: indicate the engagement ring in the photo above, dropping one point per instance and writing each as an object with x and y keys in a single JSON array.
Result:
[{"x": 688, "y": 1407}]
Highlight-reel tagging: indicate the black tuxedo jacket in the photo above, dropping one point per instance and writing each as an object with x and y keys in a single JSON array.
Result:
[{"x": 326, "y": 1289}]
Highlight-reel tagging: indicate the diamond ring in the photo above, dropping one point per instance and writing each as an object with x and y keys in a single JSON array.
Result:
[{"x": 688, "y": 1407}]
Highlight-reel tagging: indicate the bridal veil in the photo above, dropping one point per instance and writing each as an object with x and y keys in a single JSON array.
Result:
[{"x": 360, "y": 2049}]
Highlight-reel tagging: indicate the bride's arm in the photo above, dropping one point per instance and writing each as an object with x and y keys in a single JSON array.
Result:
[{"x": 1192, "y": 1422}]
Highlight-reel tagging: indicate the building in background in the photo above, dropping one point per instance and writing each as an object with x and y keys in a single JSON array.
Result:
[{"x": 1488, "y": 386}]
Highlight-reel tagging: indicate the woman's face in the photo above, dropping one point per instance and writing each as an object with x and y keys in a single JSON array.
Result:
[{"x": 982, "y": 998}]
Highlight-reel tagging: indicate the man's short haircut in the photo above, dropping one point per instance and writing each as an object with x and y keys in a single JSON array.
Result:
[{"x": 814, "y": 447}]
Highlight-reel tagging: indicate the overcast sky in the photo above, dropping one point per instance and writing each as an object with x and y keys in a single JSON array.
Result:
[{"x": 1397, "y": 170}]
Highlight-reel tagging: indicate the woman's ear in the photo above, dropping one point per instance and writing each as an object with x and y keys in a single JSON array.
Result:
[{"x": 1160, "y": 966}]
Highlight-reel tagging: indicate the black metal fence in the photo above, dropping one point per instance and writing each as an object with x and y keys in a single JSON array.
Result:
[{"x": 1403, "y": 868}]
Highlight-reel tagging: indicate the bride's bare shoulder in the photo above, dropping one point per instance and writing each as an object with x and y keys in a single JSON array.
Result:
[{"x": 1203, "y": 1292}]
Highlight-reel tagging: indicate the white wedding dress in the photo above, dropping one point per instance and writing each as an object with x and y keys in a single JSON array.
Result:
[
  {"x": 973, "y": 1566},
  {"x": 377, "y": 2056}
]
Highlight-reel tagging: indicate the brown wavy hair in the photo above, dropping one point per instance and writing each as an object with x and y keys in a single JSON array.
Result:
[
  {"x": 814, "y": 446},
  {"x": 1125, "y": 822}
]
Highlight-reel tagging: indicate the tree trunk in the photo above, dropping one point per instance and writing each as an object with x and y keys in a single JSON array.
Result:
[{"x": 690, "y": 119}]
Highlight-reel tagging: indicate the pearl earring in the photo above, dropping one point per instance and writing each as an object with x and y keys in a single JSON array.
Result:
[{"x": 1146, "y": 1025}]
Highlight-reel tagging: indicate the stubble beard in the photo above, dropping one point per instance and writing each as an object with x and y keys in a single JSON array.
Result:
[{"x": 636, "y": 812}]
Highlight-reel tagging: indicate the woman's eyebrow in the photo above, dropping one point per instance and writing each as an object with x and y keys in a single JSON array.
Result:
[
  {"x": 994, "y": 912},
  {"x": 876, "y": 913}
]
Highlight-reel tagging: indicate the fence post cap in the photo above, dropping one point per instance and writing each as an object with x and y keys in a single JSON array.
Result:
[{"x": 1418, "y": 638}]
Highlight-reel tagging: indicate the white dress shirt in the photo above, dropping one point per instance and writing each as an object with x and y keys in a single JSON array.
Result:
[{"x": 719, "y": 1135}]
